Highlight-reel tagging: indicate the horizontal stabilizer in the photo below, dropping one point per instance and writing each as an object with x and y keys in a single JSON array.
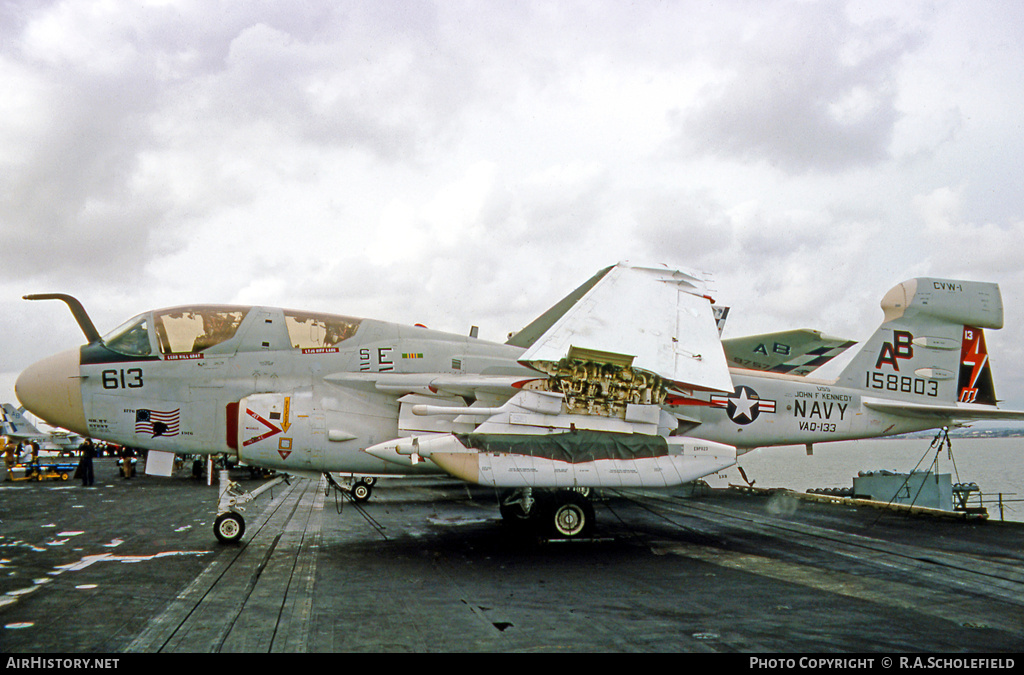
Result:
[{"x": 959, "y": 412}]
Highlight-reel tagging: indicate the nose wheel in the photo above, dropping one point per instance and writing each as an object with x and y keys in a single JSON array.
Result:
[{"x": 229, "y": 527}]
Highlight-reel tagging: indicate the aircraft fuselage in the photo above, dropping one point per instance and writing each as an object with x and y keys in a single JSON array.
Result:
[
  {"x": 304, "y": 391},
  {"x": 142, "y": 389},
  {"x": 769, "y": 410}
]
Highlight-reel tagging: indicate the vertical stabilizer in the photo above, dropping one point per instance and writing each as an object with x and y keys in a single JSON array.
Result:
[
  {"x": 14, "y": 424},
  {"x": 930, "y": 347}
]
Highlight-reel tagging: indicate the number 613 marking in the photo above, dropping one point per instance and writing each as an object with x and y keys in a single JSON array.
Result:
[{"x": 122, "y": 379}]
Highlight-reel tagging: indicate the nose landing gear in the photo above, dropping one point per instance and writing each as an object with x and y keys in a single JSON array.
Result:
[{"x": 229, "y": 526}]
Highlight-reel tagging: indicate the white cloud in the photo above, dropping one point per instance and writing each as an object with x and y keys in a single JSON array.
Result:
[
  {"x": 805, "y": 89},
  {"x": 457, "y": 165}
]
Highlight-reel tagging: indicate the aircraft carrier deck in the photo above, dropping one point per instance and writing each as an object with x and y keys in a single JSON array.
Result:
[{"x": 132, "y": 567}]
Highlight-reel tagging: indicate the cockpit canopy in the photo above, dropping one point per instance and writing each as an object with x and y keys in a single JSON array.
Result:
[{"x": 194, "y": 329}]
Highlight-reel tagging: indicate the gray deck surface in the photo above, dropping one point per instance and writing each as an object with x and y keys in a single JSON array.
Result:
[{"x": 428, "y": 566}]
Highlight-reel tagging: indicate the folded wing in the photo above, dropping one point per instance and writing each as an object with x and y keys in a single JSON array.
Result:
[{"x": 609, "y": 353}]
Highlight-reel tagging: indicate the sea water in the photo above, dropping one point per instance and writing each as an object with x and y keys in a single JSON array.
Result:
[{"x": 995, "y": 464}]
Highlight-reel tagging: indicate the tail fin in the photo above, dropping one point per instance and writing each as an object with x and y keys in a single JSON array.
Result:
[
  {"x": 15, "y": 425},
  {"x": 930, "y": 347}
]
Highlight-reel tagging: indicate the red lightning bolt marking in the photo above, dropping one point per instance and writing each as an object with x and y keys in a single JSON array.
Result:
[{"x": 980, "y": 358}]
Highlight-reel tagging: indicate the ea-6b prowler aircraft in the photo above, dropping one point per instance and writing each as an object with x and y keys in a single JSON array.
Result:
[
  {"x": 623, "y": 383},
  {"x": 16, "y": 428}
]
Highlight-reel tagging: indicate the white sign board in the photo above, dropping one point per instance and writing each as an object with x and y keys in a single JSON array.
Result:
[{"x": 159, "y": 463}]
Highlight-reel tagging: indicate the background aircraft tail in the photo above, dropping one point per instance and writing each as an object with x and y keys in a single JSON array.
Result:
[
  {"x": 931, "y": 347},
  {"x": 14, "y": 424}
]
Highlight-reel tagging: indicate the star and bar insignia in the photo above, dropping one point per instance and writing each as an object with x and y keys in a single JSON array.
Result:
[{"x": 744, "y": 405}]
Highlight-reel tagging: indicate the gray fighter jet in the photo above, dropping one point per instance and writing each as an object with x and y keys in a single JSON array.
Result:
[{"x": 623, "y": 383}]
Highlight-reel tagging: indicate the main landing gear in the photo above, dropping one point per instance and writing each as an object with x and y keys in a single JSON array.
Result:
[
  {"x": 560, "y": 514},
  {"x": 359, "y": 488}
]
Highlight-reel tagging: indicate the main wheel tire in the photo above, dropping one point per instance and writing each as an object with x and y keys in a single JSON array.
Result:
[
  {"x": 361, "y": 492},
  {"x": 572, "y": 516},
  {"x": 229, "y": 527}
]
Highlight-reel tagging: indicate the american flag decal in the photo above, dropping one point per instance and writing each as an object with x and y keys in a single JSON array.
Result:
[{"x": 157, "y": 422}]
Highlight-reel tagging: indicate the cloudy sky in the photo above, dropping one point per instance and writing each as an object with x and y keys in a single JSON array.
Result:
[{"x": 459, "y": 163}]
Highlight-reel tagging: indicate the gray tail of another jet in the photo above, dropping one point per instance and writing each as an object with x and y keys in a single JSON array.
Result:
[
  {"x": 14, "y": 424},
  {"x": 931, "y": 347}
]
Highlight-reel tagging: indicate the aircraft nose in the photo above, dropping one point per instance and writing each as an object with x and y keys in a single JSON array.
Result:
[{"x": 51, "y": 389}]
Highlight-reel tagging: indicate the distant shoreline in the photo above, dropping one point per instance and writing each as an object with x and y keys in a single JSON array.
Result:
[{"x": 961, "y": 433}]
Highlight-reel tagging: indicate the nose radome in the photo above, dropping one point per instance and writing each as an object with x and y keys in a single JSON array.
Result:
[{"x": 51, "y": 389}]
